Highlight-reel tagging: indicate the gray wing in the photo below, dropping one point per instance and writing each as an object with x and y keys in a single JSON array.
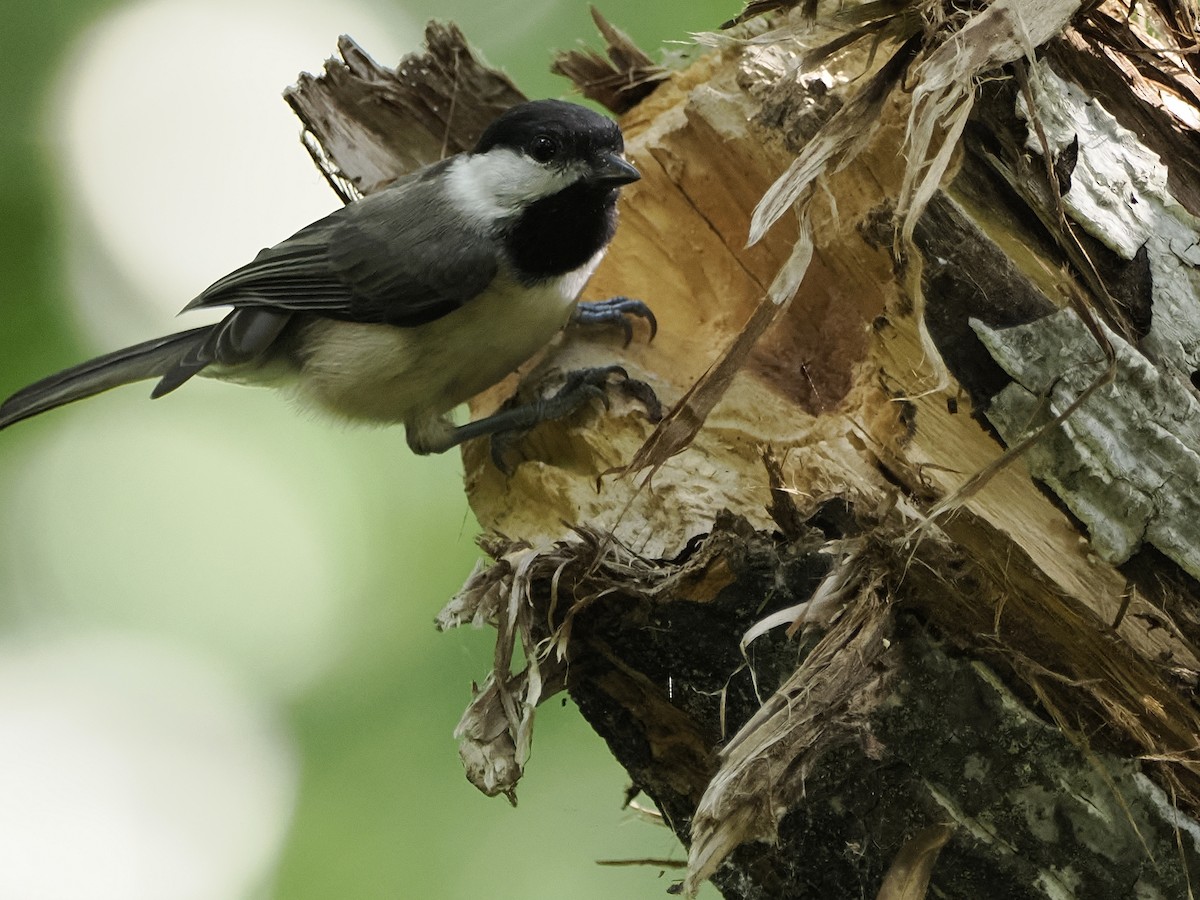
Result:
[{"x": 401, "y": 256}]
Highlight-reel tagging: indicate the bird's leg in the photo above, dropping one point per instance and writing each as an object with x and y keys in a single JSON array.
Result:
[
  {"x": 615, "y": 311},
  {"x": 582, "y": 385}
]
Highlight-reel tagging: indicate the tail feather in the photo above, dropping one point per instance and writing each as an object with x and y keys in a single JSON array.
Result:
[{"x": 151, "y": 359}]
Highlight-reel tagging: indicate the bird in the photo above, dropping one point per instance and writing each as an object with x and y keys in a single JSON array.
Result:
[{"x": 404, "y": 304}]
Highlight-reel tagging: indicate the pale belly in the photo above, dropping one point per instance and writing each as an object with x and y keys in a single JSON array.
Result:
[{"x": 383, "y": 373}]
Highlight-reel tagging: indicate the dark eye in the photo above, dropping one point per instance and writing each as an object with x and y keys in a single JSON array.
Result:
[{"x": 543, "y": 148}]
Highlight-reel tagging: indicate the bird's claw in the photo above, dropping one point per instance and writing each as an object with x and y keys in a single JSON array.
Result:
[
  {"x": 579, "y": 387},
  {"x": 616, "y": 311}
]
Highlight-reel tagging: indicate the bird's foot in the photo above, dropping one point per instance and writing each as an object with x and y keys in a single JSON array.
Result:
[
  {"x": 580, "y": 387},
  {"x": 616, "y": 311}
]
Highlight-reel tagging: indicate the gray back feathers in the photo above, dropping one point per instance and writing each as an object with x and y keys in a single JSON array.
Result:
[{"x": 402, "y": 256}]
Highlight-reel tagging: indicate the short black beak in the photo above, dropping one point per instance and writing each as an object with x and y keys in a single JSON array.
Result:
[{"x": 610, "y": 170}]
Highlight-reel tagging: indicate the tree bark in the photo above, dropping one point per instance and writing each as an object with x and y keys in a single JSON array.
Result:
[{"x": 900, "y": 599}]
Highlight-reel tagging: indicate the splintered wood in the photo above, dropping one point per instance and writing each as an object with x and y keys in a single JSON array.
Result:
[{"x": 951, "y": 243}]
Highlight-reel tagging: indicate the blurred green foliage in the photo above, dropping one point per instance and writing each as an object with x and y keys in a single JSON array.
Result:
[{"x": 383, "y": 809}]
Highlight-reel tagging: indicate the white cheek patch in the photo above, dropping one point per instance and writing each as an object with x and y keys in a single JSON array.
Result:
[{"x": 499, "y": 183}]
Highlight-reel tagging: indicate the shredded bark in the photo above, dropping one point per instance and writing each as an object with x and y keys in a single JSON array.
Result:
[
  {"x": 813, "y": 692},
  {"x": 757, "y": 8},
  {"x": 373, "y": 123},
  {"x": 618, "y": 80}
]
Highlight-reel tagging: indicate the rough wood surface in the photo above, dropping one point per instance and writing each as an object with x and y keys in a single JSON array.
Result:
[{"x": 826, "y": 693}]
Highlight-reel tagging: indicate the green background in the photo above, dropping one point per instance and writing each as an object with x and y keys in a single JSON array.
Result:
[{"x": 382, "y": 808}]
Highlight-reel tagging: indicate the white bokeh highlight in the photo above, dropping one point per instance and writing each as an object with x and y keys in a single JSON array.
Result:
[
  {"x": 156, "y": 565},
  {"x": 178, "y": 150},
  {"x": 132, "y": 771},
  {"x": 171, "y": 517}
]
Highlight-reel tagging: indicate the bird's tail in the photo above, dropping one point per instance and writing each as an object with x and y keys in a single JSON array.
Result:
[{"x": 152, "y": 359}]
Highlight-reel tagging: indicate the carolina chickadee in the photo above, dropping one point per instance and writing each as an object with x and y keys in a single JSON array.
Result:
[{"x": 400, "y": 306}]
